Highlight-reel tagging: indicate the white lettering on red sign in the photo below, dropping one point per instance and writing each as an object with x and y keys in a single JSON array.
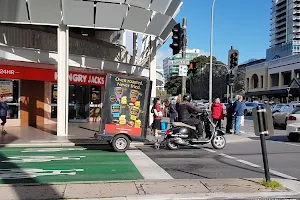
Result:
[
  {"x": 5, "y": 71},
  {"x": 81, "y": 78},
  {"x": 96, "y": 80}
]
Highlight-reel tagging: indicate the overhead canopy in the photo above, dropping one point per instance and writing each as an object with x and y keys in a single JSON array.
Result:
[{"x": 154, "y": 17}]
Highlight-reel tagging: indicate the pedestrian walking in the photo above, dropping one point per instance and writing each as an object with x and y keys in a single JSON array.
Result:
[
  {"x": 3, "y": 113},
  {"x": 229, "y": 116},
  {"x": 157, "y": 116},
  {"x": 238, "y": 113},
  {"x": 217, "y": 113},
  {"x": 172, "y": 111},
  {"x": 178, "y": 102}
]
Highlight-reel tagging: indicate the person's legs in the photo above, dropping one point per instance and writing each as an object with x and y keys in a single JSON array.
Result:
[
  {"x": 237, "y": 128},
  {"x": 198, "y": 124},
  {"x": 219, "y": 123},
  {"x": 228, "y": 124}
]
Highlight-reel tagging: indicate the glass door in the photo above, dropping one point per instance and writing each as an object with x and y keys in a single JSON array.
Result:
[{"x": 80, "y": 103}]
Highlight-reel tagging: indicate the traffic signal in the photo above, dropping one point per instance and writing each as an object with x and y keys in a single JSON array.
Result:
[
  {"x": 230, "y": 79},
  {"x": 192, "y": 70},
  {"x": 233, "y": 58},
  {"x": 177, "y": 39}
]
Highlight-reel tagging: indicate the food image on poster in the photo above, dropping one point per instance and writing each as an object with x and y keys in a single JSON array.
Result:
[
  {"x": 115, "y": 110},
  {"x": 134, "y": 95},
  {"x": 6, "y": 88},
  {"x": 125, "y": 98},
  {"x": 118, "y": 92}
]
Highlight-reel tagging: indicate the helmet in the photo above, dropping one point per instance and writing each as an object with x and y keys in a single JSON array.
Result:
[{"x": 187, "y": 97}]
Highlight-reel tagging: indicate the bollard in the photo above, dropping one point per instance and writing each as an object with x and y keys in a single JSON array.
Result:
[{"x": 263, "y": 131}]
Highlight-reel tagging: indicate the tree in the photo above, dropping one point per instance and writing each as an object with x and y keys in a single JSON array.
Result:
[
  {"x": 198, "y": 85},
  {"x": 173, "y": 85},
  {"x": 200, "y": 81}
]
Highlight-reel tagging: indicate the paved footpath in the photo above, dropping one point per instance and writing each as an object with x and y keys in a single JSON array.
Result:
[{"x": 153, "y": 190}]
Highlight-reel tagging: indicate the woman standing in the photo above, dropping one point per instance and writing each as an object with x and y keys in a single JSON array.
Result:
[
  {"x": 157, "y": 116},
  {"x": 217, "y": 112},
  {"x": 178, "y": 102}
]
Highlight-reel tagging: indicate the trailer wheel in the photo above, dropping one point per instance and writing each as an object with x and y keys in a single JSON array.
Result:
[{"x": 120, "y": 143}]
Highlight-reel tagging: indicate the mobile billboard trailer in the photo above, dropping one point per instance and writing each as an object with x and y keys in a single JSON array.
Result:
[{"x": 125, "y": 111}]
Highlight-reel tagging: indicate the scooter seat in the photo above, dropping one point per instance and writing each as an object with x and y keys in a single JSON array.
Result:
[{"x": 176, "y": 124}]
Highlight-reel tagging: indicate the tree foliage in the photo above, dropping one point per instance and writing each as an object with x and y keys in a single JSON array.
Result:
[{"x": 199, "y": 87}]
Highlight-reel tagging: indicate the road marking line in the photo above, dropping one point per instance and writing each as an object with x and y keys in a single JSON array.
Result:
[
  {"x": 212, "y": 151},
  {"x": 279, "y": 174},
  {"x": 226, "y": 156},
  {"x": 282, "y": 175},
  {"x": 146, "y": 166},
  {"x": 249, "y": 163}
]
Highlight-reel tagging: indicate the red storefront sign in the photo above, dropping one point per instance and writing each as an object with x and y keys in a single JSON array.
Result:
[{"x": 49, "y": 75}]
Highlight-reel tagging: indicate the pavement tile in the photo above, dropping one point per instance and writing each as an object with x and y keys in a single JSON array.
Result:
[
  {"x": 233, "y": 186},
  {"x": 13, "y": 192},
  {"x": 100, "y": 190},
  {"x": 172, "y": 187}
]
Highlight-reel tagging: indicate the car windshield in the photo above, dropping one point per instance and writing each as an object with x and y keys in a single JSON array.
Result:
[
  {"x": 251, "y": 104},
  {"x": 296, "y": 110}
]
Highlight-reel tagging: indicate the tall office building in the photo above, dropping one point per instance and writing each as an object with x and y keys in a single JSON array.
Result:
[
  {"x": 285, "y": 29},
  {"x": 174, "y": 70}
]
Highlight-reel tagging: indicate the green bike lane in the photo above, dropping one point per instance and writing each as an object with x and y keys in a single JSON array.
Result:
[{"x": 64, "y": 164}]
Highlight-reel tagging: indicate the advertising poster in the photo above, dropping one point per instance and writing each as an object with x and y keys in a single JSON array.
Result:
[
  {"x": 6, "y": 88},
  {"x": 125, "y": 106}
]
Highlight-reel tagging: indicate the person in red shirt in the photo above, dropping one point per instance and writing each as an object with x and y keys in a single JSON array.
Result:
[
  {"x": 217, "y": 112},
  {"x": 157, "y": 116}
]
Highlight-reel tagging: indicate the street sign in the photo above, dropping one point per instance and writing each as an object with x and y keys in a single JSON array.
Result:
[
  {"x": 182, "y": 70},
  {"x": 178, "y": 62},
  {"x": 269, "y": 122}
]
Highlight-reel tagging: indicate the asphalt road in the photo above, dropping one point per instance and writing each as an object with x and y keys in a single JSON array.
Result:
[{"x": 237, "y": 160}]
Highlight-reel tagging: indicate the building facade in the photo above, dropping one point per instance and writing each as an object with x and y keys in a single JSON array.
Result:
[
  {"x": 53, "y": 62},
  {"x": 285, "y": 29},
  {"x": 174, "y": 70},
  {"x": 271, "y": 80}
]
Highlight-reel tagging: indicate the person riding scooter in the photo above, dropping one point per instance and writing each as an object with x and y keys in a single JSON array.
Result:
[{"x": 187, "y": 112}]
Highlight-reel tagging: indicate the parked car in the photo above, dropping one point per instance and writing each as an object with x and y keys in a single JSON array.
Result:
[
  {"x": 280, "y": 117},
  {"x": 277, "y": 107},
  {"x": 293, "y": 125},
  {"x": 248, "y": 108}
]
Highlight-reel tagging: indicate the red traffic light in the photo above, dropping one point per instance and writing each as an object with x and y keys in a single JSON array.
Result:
[{"x": 234, "y": 54}]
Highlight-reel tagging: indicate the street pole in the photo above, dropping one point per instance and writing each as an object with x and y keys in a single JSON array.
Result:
[
  {"x": 184, "y": 23},
  {"x": 211, "y": 59}
]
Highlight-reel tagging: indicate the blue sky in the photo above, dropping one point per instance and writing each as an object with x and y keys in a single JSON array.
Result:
[{"x": 245, "y": 24}]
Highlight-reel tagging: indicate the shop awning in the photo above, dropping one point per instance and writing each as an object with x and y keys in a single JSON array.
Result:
[{"x": 154, "y": 17}]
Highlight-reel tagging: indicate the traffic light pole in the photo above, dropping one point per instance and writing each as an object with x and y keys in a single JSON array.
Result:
[{"x": 184, "y": 23}]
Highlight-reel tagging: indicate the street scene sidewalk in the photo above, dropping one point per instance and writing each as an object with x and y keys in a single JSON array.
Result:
[
  {"x": 154, "y": 190},
  {"x": 80, "y": 134}
]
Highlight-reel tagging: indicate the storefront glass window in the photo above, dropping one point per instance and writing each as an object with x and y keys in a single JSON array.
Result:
[
  {"x": 10, "y": 89},
  {"x": 79, "y": 102}
]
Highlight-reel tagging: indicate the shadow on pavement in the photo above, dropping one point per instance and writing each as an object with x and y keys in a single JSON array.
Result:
[
  {"x": 279, "y": 138},
  {"x": 23, "y": 184}
]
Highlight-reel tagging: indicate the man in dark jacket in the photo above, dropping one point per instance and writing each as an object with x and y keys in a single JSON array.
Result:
[
  {"x": 187, "y": 113},
  {"x": 3, "y": 111},
  {"x": 238, "y": 112},
  {"x": 229, "y": 115}
]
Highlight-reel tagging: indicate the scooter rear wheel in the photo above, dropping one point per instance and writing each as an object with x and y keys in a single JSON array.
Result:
[
  {"x": 172, "y": 145},
  {"x": 218, "y": 142}
]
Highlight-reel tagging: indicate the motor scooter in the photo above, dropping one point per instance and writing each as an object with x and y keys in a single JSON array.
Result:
[{"x": 181, "y": 134}]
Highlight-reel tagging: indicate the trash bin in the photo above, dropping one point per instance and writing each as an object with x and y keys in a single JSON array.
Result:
[{"x": 164, "y": 126}]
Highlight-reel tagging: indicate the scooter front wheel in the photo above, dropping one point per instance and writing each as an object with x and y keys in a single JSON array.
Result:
[
  {"x": 218, "y": 142},
  {"x": 171, "y": 145}
]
